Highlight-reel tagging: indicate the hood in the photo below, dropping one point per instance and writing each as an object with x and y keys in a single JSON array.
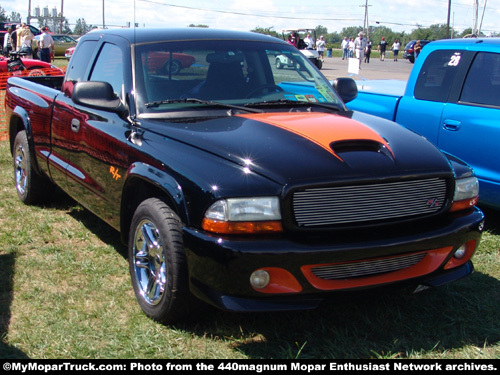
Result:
[{"x": 310, "y": 147}]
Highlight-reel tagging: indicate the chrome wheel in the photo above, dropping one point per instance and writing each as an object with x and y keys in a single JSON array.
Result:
[
  {"x": 20, "y": 169},
  {"x": 157, "y": 262},
  {"x": 149, "y": 262}
]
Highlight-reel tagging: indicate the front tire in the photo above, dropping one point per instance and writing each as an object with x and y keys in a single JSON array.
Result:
[{"x": 157, "y": 262}]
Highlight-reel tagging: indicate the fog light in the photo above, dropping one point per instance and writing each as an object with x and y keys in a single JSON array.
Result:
[
  {"x": 460, "y": 252},
  {"x": 260, "y": 279}
]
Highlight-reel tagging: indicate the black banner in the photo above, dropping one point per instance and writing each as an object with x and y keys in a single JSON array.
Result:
[{"x": 250, "y": 366}]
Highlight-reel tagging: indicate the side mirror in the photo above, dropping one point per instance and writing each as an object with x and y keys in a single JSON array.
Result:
[
  {"x": 346, "y": 88},
  {"x": 98, "y": 95}
]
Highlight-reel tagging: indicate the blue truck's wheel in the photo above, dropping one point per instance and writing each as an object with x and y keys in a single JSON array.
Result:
[
  {"x": 157, "y": 262},
  {"x": 31, "y": 187}
]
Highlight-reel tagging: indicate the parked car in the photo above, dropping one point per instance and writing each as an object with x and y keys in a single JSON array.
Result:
[
  {"x": 62, "y": 43},
  {"x": 30, "y": 64},
  {"x": 409, "y": 54},
  {"x": 283, "y": 61},
  {"x": 165, "y": 62},
  {"x": 69, "y": 52}
]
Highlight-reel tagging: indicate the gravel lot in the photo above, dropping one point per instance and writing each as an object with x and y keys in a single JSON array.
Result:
[{"x": 334, "y": 67}]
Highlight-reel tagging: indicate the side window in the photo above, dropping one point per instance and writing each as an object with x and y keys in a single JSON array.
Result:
[
  {"x": 437, "y": 75},
  {"x": 76, "y": 69},
  {"x": 482, "y": 85},
  {"x": 109, "y": 67}
]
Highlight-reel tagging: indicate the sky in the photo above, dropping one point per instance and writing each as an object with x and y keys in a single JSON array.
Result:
[{"x": 398, "y": 15}]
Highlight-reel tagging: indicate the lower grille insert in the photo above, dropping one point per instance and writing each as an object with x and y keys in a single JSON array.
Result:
[{"x": 366, "y": 268}]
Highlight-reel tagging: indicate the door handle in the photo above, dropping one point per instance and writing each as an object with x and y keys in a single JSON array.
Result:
[
  {"x": 75, "y": 125},
  {"x": 452, "y": 125}
]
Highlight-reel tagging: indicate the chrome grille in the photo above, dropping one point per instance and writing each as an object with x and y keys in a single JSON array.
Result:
[
  {"x": 368, "y": 203},
  {"x": 366, "y": 268}
]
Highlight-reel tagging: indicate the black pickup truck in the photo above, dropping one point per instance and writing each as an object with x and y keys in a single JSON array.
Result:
[{"x": 236, "y": 183}]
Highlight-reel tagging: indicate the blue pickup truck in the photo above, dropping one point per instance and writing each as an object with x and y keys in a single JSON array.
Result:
[{"x": 452, "y": 97}]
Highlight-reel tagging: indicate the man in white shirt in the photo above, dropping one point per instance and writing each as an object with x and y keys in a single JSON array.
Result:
[
  {"x": 320, "y": 46},
  {"x": 309, "y": 42},
  {"x": 45, "y": 44},
  {"x": 360, "y": 46}
]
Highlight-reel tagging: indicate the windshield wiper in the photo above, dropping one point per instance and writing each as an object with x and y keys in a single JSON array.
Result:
[
  {"x": 200, "y": 101},
  {"x": 295, "y": 103}
]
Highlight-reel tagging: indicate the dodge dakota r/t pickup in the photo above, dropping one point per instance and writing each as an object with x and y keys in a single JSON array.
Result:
[
  {"x": 236, "y": 183},
  {"x": 452, "y": 97}
]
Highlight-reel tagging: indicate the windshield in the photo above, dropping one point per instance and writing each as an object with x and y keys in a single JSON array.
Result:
[{"x": 238, "y": 73}]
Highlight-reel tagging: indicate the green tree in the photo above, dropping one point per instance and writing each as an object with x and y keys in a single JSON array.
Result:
[
  {"x": 351, "y": 31},
  {"x": 81, "y": 27},
  {"x": 2, "y": 15},
  {"x": 15, "y": 17},
  {"x": 266, "y": 31}
]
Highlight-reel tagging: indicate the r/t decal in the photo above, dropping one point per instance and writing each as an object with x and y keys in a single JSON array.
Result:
[{"x": 114, "y": 172}]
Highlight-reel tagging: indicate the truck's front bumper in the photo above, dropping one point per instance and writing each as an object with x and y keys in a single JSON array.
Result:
[{"x": 303, "y": 272}]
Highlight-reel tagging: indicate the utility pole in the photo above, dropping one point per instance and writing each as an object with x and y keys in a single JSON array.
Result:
[
  {"x": 475, "y": 18},
  {"x": 482, "y": 17},
  {"x": 366, "y": 25},
  {"x": 448, "y": 22},
  {"x": 62, "y": 17}
]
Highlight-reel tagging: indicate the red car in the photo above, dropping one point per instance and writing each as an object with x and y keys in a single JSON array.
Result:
[
  {"x": 159, "y": 62},
  {"x": 69, "y": 53},
  {"x": 30, "y": 64}
]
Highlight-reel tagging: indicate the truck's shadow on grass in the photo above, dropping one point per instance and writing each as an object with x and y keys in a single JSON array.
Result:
[
  {"x": 392, "y": 323},
  {"x": 7, "y": 262}
]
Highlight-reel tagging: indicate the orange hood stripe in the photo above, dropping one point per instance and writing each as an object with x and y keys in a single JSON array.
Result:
[{"x": 320, "y": 128}]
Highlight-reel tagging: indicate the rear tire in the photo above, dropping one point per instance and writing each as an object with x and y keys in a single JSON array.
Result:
[
  {"x": 31, "y": 187},
  {"x": 36, "y": 71},
  {"x": 157, "y": 262}
]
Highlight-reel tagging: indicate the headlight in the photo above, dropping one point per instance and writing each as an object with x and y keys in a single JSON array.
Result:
[
  {"x": 466, "y": 193},
  {"x": 243, "y": 215}
]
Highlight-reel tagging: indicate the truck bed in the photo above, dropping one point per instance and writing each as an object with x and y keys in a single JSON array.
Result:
[
  {"x": 378, "y": 97},
  {"x": 54, "y": 82}
]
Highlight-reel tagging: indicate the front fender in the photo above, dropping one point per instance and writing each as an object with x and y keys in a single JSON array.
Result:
[{"x": 144, "y": 181}]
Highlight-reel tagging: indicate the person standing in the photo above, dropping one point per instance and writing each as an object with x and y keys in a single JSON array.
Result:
[
  {"x": 368, "y": 51},
  {"x": 45, "y": 44},
  {"x": 320, "y": 46},
  {"x": 7, "y": 42},
  {"x": 360, "y": 46},
  {"x": 395, "y": 48},
  {"x": 417, "y": 48},
  {"x": 345, "y": 48},
  {"x": 24, "y": 40},
  {"x": 309, "y": 42},
  {"x": 382, "y": 48},
  {"x": 351, "y": 48}
]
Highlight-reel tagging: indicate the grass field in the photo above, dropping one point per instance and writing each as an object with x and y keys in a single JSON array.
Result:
[{"x": 65, "y": 293}]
